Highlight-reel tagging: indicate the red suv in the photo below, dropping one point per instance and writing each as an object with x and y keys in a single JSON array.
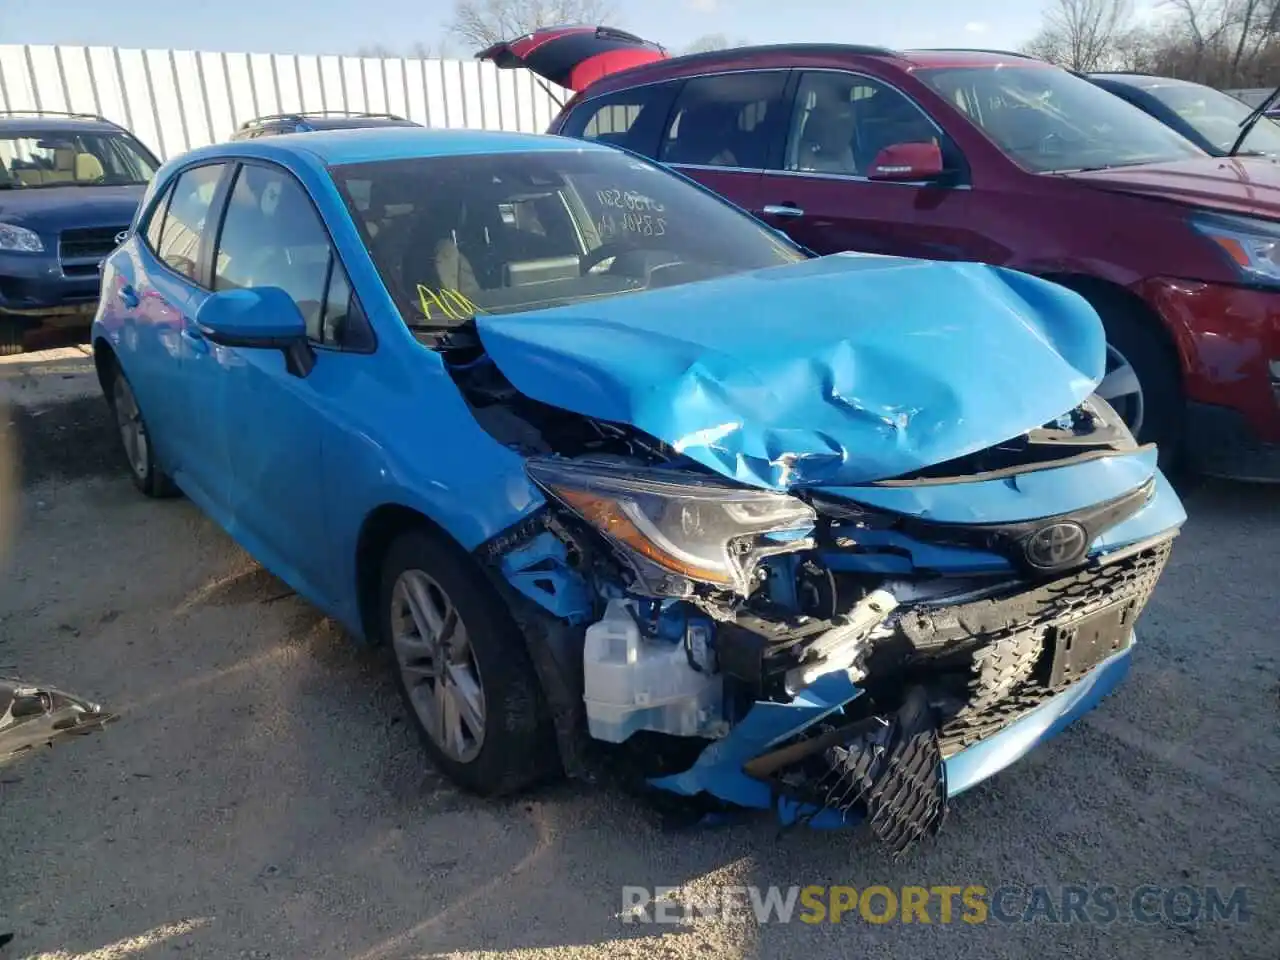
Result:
[{"x": 992, "y": 157}]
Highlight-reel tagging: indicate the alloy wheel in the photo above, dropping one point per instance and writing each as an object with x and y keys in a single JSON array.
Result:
[
  {"x": 133, "y": 432},
  {"x": 1121, "y": 388},
  {"x": 438, "y": 666}
]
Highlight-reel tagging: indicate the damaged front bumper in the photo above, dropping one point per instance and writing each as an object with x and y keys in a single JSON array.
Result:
[
  {"x": 721, "y": 771},
  {"x": 834, "y": 756}
]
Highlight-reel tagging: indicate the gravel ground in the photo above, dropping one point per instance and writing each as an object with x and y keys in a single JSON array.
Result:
[{"x": 263, "y": 796}]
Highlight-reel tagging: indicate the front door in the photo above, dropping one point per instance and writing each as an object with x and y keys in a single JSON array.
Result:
[
  {"x": 276, "y": 422},
  {"x": 820, "y": 193}
]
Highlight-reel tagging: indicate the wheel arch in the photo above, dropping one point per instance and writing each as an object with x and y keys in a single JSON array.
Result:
[
  {"x": 105, "y": 364},
  {"x": 377, "y": 531},
  {"x": 1103, "y": 294}
]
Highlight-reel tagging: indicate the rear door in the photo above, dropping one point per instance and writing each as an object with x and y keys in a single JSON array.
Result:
[
  {"x": 163, "y": 295},
  {"x": 818, "y": 189},
  {"x": 724, "y": 130}
]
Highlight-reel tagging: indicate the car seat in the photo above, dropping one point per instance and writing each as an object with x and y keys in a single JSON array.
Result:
[
  {"x": 885, "y": 119},
  {"x": 706, "y": 137},
  {"x": 826, "y": 146},
  {"x": 88, "y": 168}
]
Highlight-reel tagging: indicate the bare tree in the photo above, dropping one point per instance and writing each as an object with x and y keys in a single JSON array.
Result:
[
  {"x": 717, "y": 41},
  {"x": 480, "y": 23},
  {"x": 1082, "y": 34}
]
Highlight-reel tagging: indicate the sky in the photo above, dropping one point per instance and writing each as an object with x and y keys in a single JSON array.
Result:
[{"x": 342, "y": 26}]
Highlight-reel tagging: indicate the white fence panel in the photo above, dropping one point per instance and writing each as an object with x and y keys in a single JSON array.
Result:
[{"x": 175, "y": 100}]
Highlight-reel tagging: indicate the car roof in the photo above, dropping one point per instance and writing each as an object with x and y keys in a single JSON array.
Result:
[
  {"x": 1143, "y": 81},
  {"x": 34, "y": 123},
  {"x": 367, "y": 144},
  {"x": 352, "y": 123},
  {"x": 783, "y": 55}
]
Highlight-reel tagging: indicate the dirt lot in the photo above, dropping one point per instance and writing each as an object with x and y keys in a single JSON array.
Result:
[{"x": 263, "y": 796}]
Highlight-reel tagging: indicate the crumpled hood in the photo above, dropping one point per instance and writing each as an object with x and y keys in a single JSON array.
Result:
[
  {"x": 1248, "y": 185},
  {"x": 838, "y": 370}
]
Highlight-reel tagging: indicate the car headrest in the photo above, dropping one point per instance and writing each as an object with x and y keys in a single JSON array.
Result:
[{"x": 88, "y": 167}]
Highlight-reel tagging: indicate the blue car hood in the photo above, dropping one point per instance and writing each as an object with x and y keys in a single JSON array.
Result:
[{"x": 838, "y": 370}]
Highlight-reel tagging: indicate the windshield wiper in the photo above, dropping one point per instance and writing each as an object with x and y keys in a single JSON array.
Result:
[{"x": 1251, "y": 121}]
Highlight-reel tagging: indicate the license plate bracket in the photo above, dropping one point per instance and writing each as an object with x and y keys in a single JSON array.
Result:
[{"x": 1080, "y": 645}]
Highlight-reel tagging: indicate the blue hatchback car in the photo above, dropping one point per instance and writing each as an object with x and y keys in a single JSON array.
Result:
[{"x": 629, "y": 483}]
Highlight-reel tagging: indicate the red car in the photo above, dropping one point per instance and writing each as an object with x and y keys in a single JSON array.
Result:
[{"x": 992, "y": 157}]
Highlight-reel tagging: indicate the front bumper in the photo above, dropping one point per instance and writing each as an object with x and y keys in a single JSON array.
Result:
[
  {"x": 831, "y": 755},
  {"x": 35, "y": 291},
  {"x": 1220, "y": 442},
  {"x": 1228, "y": 337},
  {"x": 719, "y": 769}
]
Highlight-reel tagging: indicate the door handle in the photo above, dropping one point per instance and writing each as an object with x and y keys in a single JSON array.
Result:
[
  {"x": 128, "y": 296},
  {"x": 783, "y": 210},
  {"x": 193, "y": 335}
]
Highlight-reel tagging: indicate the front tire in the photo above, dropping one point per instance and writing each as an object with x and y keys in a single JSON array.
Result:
[
  {"x": 12, "y": 337},
  {"x": 462, "y": 668},
  {"x": 136, "y": 441},
  {"x": 1142, "y": 380}
]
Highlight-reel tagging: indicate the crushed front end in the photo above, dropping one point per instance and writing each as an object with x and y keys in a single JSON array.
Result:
[{"x": 833, "y": 654}]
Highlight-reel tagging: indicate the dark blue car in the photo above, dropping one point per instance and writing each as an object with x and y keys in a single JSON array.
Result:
[
  {"x": 629, "y": 482},
  {"x": 69, "y": 187}
]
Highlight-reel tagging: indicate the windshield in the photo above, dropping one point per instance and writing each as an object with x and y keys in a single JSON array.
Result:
[
  {"x": 1048, "y": 120},
  {"x": 1217, "y": 116},
  {"x": 455, "y": 236},
  {"x": 35, "y": 160}
]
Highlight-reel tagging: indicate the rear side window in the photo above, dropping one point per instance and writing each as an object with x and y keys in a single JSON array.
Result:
[
  {"x": 155, "y": 225},
  {"x": 731, "y": 120},
  {"x": 178, "y": 243},
  {"x": 632, "y": 119},
  {"x": 271, "y": 236}
]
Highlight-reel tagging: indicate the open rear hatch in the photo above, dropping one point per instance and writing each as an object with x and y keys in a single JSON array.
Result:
[{"x": 574, "y": 56}]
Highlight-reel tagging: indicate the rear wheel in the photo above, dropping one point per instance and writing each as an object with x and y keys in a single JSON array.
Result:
[
  {"x": 463, "y": 669},
  {"x": 136, "y": 441}
]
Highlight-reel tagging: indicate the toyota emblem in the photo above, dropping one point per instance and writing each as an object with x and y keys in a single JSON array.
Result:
[
  {"x": 121, "y": 237},
  {"x": 1057, "y": 545}
]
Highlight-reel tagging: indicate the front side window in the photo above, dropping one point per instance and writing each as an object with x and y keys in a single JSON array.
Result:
[
  {"x": 1217, "y": 116},
  {"x": 726, "y": 121},
  {"x": 1047, "y": 120},
  {"x": 185, "y": 218},
  {"x": 841, "y": 122},
  {"x": 632, "y": 119},
  {"x": 73, "y": 159},
  {"x": 271, "y": 236},
  {"x": 456, "y": 236}
]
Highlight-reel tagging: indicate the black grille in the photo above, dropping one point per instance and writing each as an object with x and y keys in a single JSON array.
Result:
[
  {"x": 88, "y": 242},
  {"x": 1131, "y": 581}
]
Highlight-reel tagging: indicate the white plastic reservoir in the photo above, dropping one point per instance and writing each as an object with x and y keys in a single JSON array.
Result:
[{"x": 634, "y": 683}]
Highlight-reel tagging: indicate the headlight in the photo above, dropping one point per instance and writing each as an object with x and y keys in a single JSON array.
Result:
[
  {"x": 1253, "y": 245},
  {"x": 1109, "y": 423},
  {"x": 671, "y": 522},
  {"x": 19, "y": 239}
]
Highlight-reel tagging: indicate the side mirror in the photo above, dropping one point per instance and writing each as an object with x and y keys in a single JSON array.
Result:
[
  {"x": 907, "y": 162},
  {"x": 258, "y": 318}
]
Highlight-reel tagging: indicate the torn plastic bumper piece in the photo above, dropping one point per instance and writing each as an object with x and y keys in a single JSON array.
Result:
[
  {"x": 720, "y": 771},
  {"x": 886, "y": 770},
  {"x": 42, "y": 716}
]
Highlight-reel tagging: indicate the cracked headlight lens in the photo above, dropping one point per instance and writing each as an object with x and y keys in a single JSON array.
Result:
[
  {"x": 695, "y": 527},
  {"x": 17, "y": 239}
]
